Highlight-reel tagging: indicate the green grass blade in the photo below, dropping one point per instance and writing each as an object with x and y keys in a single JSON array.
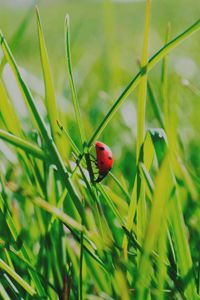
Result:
[
  {"x": 70, "y": 140},
  {"x": 22, "y": 144},
  {"x": 147, "y": 179},
  {"x": 50, "y": 99},
  {"x": 110, "y": 204},
  {"x": 119, "y": 185},
  {"x": 17, "y": 278},
  {"x": 71, "y": 80},
  {"x": 136, "y": 80},
  {"x": 155, "y": 105}
]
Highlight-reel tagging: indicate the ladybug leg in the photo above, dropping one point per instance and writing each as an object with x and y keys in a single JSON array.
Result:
[
  {"x": 93, "y": 159},
  {"x": 99, "y": 178}
]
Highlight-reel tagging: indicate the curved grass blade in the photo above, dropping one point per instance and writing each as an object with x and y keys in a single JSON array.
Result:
[
  {"x": 22, "y": 144},
  {"x": 137, "y": 79},
  {"x": 71, "y": 81}
]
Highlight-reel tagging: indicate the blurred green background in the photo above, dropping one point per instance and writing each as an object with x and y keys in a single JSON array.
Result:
[{"x": 106, "y": 42}]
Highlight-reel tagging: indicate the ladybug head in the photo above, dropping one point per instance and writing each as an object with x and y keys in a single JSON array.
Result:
[{"x": 99, "y": 144}]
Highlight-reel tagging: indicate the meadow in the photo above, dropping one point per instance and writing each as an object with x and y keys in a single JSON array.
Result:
[{"x": 125, "y": 73}]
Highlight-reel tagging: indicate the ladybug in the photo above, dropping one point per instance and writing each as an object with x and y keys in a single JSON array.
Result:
[{"x": 104, "y": 160}]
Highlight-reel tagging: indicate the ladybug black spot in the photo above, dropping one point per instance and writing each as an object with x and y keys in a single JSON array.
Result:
[
  {"x": 101, "y": 148},
  {"x": 109, "y": 157}
]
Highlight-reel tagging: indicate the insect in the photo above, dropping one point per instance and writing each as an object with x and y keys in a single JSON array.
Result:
[{"x": 104, "y": 160}]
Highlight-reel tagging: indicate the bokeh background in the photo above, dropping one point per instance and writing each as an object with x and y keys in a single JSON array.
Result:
[
  {"x": 106, "y": 43},
  {"x": 106, "y": 46}
]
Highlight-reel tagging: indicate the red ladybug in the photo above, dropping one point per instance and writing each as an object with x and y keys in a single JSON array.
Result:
[{"x": 104, "y": 160}]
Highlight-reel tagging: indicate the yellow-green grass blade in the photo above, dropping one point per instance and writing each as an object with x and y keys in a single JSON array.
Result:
[
  {"x": 55, "y": 155},
  {"x": 141, "y": 107},
  {"x": 155, "y": 143},
  {"x": 26, "y": 146},
  {"x": 3, "y": 293},
  {"x": 110, "y": 203},
  {"x": 120, "y": 186},
  {"x": 8, "y": 113},
  {"x": 147, "y": 179},
  {"x": 70, "y": 140},
  {"x": 50, "y": 99},
  {"x": 180, "y": 240},
  {"x": 141, "y": 111},
  {"x": 71, "y": 81},
  {"x": 118, "y": 200},
  {"x": 122, "y": 285},
  {"x": 166, "y": 49},
  {"x": 182, "y": 248},
  {"x": 165, "y": 95},
  {"x": 17, "y": 278},
  {"x": 184, "y": 260},
  {"x": 158, "y": 213},
  {"x": 181, "y": 171}
]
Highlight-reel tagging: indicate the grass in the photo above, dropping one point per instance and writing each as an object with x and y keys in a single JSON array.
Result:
[{"x": 133, "y": 236}]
